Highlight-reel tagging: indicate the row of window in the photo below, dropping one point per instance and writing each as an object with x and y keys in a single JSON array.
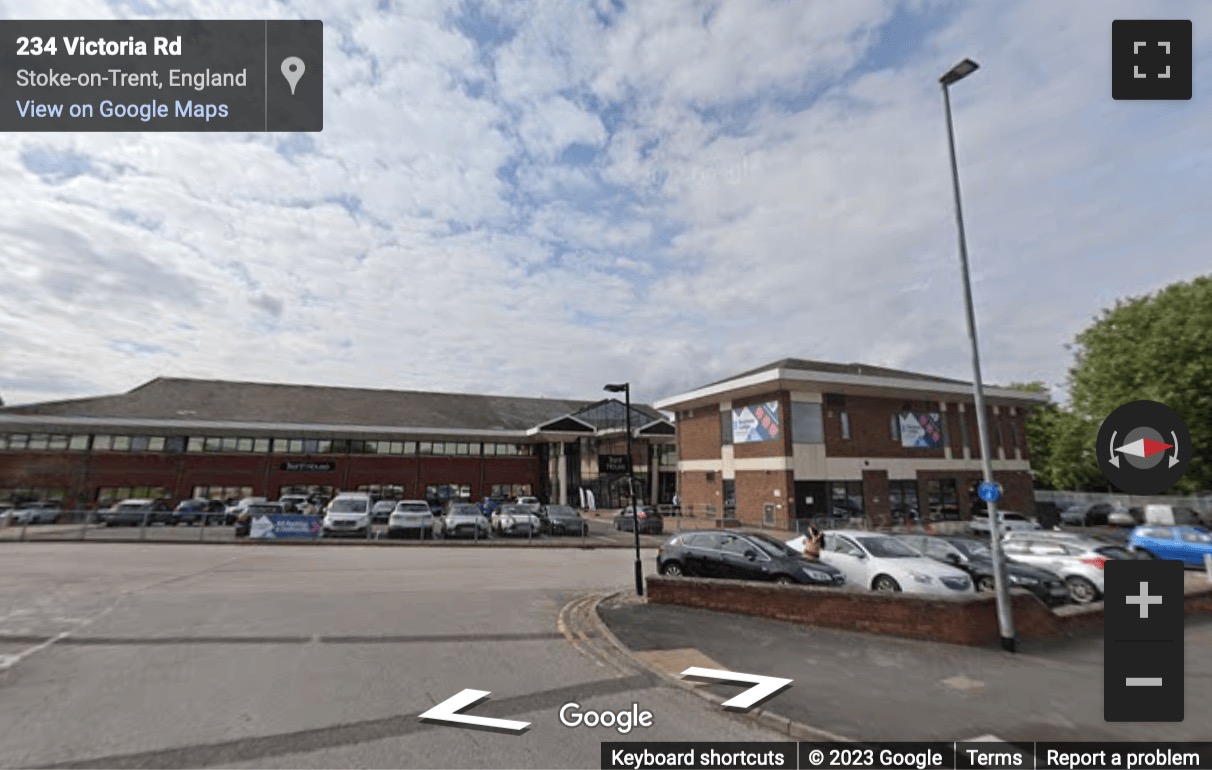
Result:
[{"x": 111, "y": 443}]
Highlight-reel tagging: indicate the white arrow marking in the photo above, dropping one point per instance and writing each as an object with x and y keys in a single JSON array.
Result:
[
  {"x": 1114, "y": 457},
  {"x": 1174, "y": 457},
  {"x": 1136, "y": 448},
  {"x": 447, "y": 712},
  {"x": 764, "y": 687}
]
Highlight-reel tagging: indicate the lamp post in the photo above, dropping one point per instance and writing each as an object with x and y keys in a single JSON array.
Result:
[
  {"x": 1005, "y": 618},
  {"x": 625, "y": 389}
]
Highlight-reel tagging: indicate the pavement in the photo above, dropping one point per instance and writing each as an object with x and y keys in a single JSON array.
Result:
[
  {"x": 874, "y": 688},
  {"x": 128, "y": 655}
]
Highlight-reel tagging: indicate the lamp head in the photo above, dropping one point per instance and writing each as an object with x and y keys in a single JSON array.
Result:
[{"x": 959, "y": 72}]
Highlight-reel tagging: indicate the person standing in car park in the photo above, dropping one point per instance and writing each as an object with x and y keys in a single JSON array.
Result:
[{"x": 814, "y": 538}]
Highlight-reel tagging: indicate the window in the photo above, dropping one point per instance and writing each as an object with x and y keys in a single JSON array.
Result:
[
  {"x": 729, "y": 492},
  {"x": 78, "y": 443},
  {"x": 214, "y": 444},
  {"x": 175, "y": 443},
  {"x": 155, "y": 443},
  {"x": 894, "y": 426},
  {"x": 806, "y": 424},
  {"x": 196, "y": 443},
  {"x": 902, "y": 498},
  {"x": 115, "y": 494},
  {"x": 38, "y": 441},
  {"x": 1013, "y": 432},
  {"x": 844, "y": 419},
  {"x": 963, "y": 426},
  {"x": 121, "y": 444},
  {"x": 58, "y": 443},
  {"x": 220, "y": 493},
  {"x": 311, "y": 445},
  {"x": 138, "y": 443},
  {"x": 943, "y": 496},
  {"x": 18, "y": 441},
  {"x": 726, "y": 427},
  {"x": 295, "y": 446},
  {"x": 999, "y": 419},
  {"x": 463, "y": 448},
  {"x": 1195, "y": 536},
  {"x": 383, "y": 491},
  {"x": 735, "y": 546},
  {"x": 841, "y": 545},
  {"x": 262, "y": 445},
  {"x": 425, "y": 448},
  {"x": 846, "y": 498},
  {"x": 228, "y": 444}
]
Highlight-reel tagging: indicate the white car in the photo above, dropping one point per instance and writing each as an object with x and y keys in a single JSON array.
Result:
[
  {"x": 516, "y": 519},
  {"x": 1079, "y": 561},
  {"x": 883, "y": 563},
  {"x": 410, "y": 517},
  {"x": 348, "y": 514},
  {"x": 35, "y": 513},
  {"x": 233, "y": 511},
  {"x": 1009, "y": 520}
]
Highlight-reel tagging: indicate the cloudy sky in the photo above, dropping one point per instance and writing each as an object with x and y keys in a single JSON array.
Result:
[{"x": 536, "y": 198}]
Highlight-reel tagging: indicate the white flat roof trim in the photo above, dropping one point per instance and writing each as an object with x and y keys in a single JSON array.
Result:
[{"x": 800, "y": 375}]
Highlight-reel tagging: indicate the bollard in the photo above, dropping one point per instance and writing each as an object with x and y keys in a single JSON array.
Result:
[
  {"x": 143, "y": 526},
  {"x": 84, "y": 527},
  {"x": 1208, "y": 565},
  {"x": 25, "y": 523},
  {"x": 202, "y": 526},
  {"x": 529, "y": 532}
]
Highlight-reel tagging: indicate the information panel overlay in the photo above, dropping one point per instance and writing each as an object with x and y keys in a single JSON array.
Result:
[
  {"x": 986, "y": 754},
  {"x": 161, "y": 76}
]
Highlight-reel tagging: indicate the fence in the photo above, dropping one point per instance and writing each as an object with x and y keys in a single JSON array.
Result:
[{"x": 1061, "y": 499}]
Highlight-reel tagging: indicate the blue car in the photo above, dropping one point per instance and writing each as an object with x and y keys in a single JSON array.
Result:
[{"x": 1186, "y": 544}]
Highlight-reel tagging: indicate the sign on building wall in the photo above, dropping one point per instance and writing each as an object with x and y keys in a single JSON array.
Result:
[
  {"x": 612, "y": 464},
  {"x": 921, "y": 430},
  {"x": 759, "y": 422},
  {"x": 308, "y": 466}
]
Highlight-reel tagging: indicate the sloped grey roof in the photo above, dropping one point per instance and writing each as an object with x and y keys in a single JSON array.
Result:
[
  {"x": 176, "y": 399},
  {"x": 827, "y": 367}
]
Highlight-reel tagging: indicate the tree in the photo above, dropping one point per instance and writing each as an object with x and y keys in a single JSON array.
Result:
[
  {"x": 1156, "y": 347},
  {"x": 1057, "y": 439}
]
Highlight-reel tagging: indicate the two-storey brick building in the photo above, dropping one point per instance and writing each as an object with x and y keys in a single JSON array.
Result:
[{"x": 796, "y": 439}]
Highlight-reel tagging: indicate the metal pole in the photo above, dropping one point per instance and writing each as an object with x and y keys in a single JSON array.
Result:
[
  {"x": 1005, "y": 616},
  {"x": 635, "y": 509}
]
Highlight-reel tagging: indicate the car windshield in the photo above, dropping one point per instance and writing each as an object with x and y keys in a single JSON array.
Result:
[
  {"x": 971, "y": 548},
  {"x": 888, "y": 548},
  {"x": 385, "y": 505},
  {"x": 412, "y": 508},
  {"x": 771, "y": 546},
  {"x": 264, "y": 508},
  {"x": 464, "y": 510},
  {"x": 348, "y": 505},
  {"x": 563, "y": 512}
]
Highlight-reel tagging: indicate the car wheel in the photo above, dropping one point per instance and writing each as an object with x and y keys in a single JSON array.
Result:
[
  {"x": 985, "y": 583},
  {"x": 1081, "y": 590},
  {"x": 885, "y": 584},
  {"x": 1143, "y": 554},
  {"x": 672, "y": 569},
  {"x": 783, "y": 580}
]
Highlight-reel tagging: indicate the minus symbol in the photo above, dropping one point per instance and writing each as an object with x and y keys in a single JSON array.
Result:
[{"x": 1143, "y": 681}]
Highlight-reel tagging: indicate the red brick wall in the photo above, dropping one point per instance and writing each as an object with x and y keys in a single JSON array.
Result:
[
  {"x": 701, "y": 493},
  {"x": 699, "y": 436},
  {"x": 875, "y": 497},
  {"x": 968, "y": 621},
  {"x": 870, "y": 428},
  {"x": 756, "y": 489}
]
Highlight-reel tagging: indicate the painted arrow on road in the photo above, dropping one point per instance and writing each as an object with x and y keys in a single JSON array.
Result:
[
  {"x": 764, "y": 687},
  {"x": 447, "y": 713}
]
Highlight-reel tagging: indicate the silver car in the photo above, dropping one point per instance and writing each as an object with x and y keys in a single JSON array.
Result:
[
  {"x": 517, "y": 520},
  {"x": 35, "y": 513},
  {"x": 410, "y": 518},
  {"x": 1079, "y": 561}
]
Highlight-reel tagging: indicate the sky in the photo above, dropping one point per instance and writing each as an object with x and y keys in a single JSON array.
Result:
[{"x": 537, "y": 198}]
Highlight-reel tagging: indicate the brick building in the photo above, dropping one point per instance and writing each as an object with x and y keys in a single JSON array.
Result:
[
  {"x": 180, "y": 438},
  {"x": 797, "y": 439}
]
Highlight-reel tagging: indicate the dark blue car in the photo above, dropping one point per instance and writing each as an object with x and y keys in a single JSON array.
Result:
[{"x": 1186, "y": 544}]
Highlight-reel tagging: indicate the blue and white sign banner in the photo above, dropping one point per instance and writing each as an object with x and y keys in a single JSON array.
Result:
[
  {"x": 921, "y": 430},
  {"x": 284, "y": 526}
]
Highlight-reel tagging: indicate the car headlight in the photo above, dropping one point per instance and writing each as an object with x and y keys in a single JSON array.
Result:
[
  {"x": 1023, "y": 580},
  {"x": 817, "y": 575},
  {"x": 920, "y": 578}
]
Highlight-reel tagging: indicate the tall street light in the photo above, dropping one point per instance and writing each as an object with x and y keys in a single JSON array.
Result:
[
  {"x": 625, "y": 389},
  {"x": 1005, "y": 618}
]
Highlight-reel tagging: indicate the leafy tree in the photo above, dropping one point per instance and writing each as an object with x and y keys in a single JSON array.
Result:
[{"x": 1156, "y": 347}]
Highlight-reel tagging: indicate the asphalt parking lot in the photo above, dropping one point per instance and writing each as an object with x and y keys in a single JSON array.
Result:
[
  {"x": 602, "y": 534},
  {"x": 142, "y": 656}
]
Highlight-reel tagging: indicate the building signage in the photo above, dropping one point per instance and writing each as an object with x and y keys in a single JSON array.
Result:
[
  {"x": 759, "y": 422},
  {"x": 921, "y": 430},
  {"x": 291, "y": 465},
  {"x": 287, "y": 526},
  {"x": 613, "y": 464}
]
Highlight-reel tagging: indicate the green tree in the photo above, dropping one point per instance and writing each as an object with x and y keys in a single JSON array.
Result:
[
  {"x": 1058, "y": 441},
  {"x": 1156, "y": 347}
]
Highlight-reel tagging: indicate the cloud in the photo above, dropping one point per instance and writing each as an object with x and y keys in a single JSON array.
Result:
[{"x": 524, "y": 197}]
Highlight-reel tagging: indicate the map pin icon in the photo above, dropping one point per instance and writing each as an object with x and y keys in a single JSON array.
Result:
[{"x": 292, "y": 69}]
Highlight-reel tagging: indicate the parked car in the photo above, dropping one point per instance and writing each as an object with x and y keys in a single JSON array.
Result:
[
  {"x": 253, "y": 510},
  {"x": 528, "y": 500},
  {"x": 382, "y": 511},
  {"x": 297, "y": 502},
  {"x": 463, "y": 520},
  {"x": 735, "y": 555},
  {"x": 974, "y": 557},
  {"x": 516, "y": 520},
  {"x": 1078, "y": 560},
  {"x": 233, "y": 511},
  {"x": 650, "y": 520},
  {"x": 1171, "y": 516},
  {"x": 564, "y": 520},
  {"x": 135, "y": 512},
  {"x": 5, "y": 510},
  {"x": 191, "y": 512},
  {"x": 883, "y": 563},
  {"x": 410, "y": 518},
  {"x": 1186, "y": 544},
  {"x": 1073, "y": 515},
  {"x": 1009, "y": 521},
  {"x": 35, "y": 513},
  {"x": 349, "y": 513}
]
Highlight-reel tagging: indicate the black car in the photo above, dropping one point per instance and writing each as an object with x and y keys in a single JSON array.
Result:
[
  {"x": 191, "y": 512},
  {"x": 972, "y": 555},
  {"x": 563, "y": 520},
  {"x": 651, "y": 521},
  {"x": 741, "y": 556}
]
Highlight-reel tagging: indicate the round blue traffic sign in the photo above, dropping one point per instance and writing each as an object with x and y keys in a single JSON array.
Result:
[{"x": 988, "y": 492}]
